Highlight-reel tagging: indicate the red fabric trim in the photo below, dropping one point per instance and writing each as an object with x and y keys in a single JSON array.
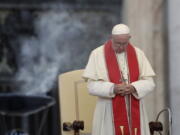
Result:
[
  {"x": 134, "y": 76},
  {"x": 118, "y": 102}
]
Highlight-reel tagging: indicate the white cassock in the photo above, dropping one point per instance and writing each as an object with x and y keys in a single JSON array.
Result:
[{"x": 99, "y": 85}]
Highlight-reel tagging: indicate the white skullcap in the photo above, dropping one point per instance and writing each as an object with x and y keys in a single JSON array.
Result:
[{"x": 120, "y": 29}]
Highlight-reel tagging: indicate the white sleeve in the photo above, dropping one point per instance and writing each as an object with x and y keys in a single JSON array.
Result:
[
  {"x": 101, "y": 88},
  {"x": 90, "y": 70},
  {"x": 143, "y": 87}
]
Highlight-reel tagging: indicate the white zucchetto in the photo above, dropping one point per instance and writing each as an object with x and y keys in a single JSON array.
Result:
[{"x": 120, "y": 29}]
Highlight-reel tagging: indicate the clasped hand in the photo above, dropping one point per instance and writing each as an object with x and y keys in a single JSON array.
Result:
[{"x": 124, "y": 89}]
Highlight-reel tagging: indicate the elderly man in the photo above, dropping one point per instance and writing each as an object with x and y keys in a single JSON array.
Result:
[{"x": 121, "y": 76}]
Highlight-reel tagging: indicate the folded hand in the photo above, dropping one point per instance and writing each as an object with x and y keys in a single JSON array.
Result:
[{"x": 124, "y": 89}]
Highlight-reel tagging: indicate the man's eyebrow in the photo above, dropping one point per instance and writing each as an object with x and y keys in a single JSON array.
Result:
[{"x": 121, "y": 42}]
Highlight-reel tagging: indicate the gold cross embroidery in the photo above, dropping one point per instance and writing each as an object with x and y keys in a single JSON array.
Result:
[
  {"x": 122, "y": 129},
  {"x": 135, "y": 131}
]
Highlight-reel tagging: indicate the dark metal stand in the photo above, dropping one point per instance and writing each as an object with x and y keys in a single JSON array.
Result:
[
  {"x": 22, "y": 108},
  {"x": 157, "y": 126}
]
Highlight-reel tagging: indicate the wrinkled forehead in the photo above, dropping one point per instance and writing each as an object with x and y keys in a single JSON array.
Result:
[{"x": 121, "y": 37}]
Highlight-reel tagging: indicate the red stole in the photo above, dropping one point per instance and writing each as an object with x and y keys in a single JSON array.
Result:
[{"x": 120, "y": 113}]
